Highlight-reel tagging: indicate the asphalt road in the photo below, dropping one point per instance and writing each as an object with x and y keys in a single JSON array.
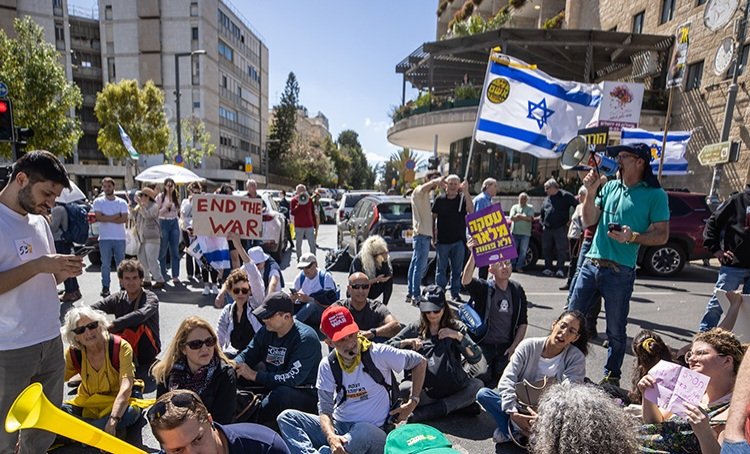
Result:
[{"x": 671, "y": 307}]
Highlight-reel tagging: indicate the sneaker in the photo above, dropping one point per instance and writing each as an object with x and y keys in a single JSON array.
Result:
[
  {"x": 70, "y": 297},
  {"x": 457, "y": 299},
  {"x": 548, "y": 272},
  {"x": 206, "y": 290},
  {"x": 610, "y": 380},
  {"x": 176, "y": 281},
  {"x": 560, "y": 273},
  {"x": 215, "y": 290},
  {"x": 498, "y": 437},
  {"x": 158, "y": 285},
  {"x": 105, "y": 292},
  {"x": 408, "y": 299}
]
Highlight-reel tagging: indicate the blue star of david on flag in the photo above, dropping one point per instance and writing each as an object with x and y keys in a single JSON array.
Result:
[{"x": 542, "y": 117}]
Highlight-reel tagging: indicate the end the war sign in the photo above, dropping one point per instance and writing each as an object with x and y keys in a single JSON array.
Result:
[
  {"x": 220, "y": 215},
  {"x": 491, "y": 231}
]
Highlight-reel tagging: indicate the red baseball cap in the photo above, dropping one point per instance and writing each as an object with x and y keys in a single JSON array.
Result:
[{"x": 337, "y": 322}]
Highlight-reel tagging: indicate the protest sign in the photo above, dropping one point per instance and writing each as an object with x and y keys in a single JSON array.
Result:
[
  {"x": 491, "y": 231},
  {"x": 675, "y": 385},
  {"x": 741, "y": 313},
  {"x": 220, "y": 215}
]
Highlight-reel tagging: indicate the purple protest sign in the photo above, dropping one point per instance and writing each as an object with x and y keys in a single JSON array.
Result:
[
  {"x": 491, "y": 231},
  {"x": 674, "y": 386}
]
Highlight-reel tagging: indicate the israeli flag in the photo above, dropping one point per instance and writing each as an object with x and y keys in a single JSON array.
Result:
[
  {"x": 527, "y": 110},
  {"x": 215, "y": 250},
  {"x": 127, "y": 142},
  {"x": 674, "y": 157}
]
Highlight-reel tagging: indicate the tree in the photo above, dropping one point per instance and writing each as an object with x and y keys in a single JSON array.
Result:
[
  {"x": 140, "y": 111},
  {"x": 360, "y": 175},
  {"x": 398, "y": 163},
  {"x": 41, "y": 94},
  {"x": 309, "y": 164},
  {"x": 341, "y": 162},
  {"x": 196, "y": 142},
  {"x": 283, "y": 126}
]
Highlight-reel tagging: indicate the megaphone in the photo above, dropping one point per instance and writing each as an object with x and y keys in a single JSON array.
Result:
[
  {"x": 578, "y": 154},
  {"x": 303, "y": 198},
  {"x": 32, "y": 410}
]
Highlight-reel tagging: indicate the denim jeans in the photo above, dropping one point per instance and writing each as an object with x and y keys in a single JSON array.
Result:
[
  {"x": 107, "y": 249},
  {"x": 522, "y": 246},
  {"x": 490, "y": 368},
  {"x": 735, "y": 447},
  {"x": 490, "y": 401},
  {"x": 451, "y": 254},
  {"x": 555, "y": 241},
  {"x": 130, "y": 417},
  {"x": 418, "y": 265},
  {"x": 730, "y": 278},
  {"x": 71, "y": 283},
  {"x": 170, "y": 239},
  {"x": 303, "y": 435},
  {"x": 616, "y": 287}
]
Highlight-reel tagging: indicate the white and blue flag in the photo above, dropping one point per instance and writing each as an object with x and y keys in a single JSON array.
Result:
[
  {"x": 674, "y": 156},
  {"x": 127, "y": 142},
  {"x": 527, "y": 110}
]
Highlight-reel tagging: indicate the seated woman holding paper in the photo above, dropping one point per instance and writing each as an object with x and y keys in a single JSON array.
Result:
[
  {"x": 717, "y": 354},
  {"x": 538, "y": 361}
]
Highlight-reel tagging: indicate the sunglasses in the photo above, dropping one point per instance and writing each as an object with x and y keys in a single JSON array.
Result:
[
  {"x": 243, "y": 290},
  {"x": 432, "y": 312},
  {"x": 359, "y": 286},
  {"x": 199, "y": 343},
  {"x": 82, "y": 329},
  {"x": 181, "y": 400}
]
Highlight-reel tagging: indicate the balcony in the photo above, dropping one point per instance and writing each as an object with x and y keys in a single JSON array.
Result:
[{"x": 450, "y": 121}]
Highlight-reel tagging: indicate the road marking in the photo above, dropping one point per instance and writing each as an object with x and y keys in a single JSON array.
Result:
[{"x": 565, "y": 293}]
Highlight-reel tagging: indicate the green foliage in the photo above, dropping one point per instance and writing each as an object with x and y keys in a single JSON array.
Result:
[
  {"x": 466, "y": 91},
  {"x": 196, "y": 142},
  {"x": 361, "y": 175},
  {"x": 397, "y": 163},
  {"x": 307, "y": 163},
  {"x": 284, "y": 122},
  {"x": 41, "y": 94},
  {"x": 555, "y": 21},
  {"x": 140, "y": 111},
  {"x": 341, "y": 162},
  {"x": 423, "y": 100},
  {"x": 476, "y": 24}
]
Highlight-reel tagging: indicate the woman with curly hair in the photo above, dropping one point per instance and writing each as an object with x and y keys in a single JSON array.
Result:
[
  {"x": 716, "y": 353},
  {"x": 194, "y": 361},
  {"x": 373, "y": 260},
  {"x": 582, "y": 419}
]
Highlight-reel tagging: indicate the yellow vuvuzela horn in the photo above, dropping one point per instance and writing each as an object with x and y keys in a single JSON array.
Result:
[{"x": 32, "y": 410}]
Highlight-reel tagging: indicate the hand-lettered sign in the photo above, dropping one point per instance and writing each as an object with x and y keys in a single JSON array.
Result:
[
  {"x": 220, "y": 215},
  {"x": 490, "y": 230},
  {"x": 674, "y": 386}
]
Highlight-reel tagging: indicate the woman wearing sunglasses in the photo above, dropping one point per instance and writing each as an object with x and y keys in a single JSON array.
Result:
[
  {"x": 237, "y": 323},
  {"x": 716, "y": 353},
  {"x": 443, "y": 340},
  {"x": 105, "y": 364},
  {"x": 194, "y": 361},
  {"x": 373, "y": 260}
]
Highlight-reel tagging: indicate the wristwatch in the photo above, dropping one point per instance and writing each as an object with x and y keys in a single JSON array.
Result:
[
  {"x": 416, "y": 399},
  {"x": 634, "y": 236}
]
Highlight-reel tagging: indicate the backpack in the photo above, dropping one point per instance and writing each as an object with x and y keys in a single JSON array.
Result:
[
  {"x": 370, "y": 369},
  {"x": 322, "y": 279},
  {"x": 270, "y": 264},
  {"x": 76, "y": 356},
  {"x": 78, "y": 224},
  {"x": 477, "y": 324}
]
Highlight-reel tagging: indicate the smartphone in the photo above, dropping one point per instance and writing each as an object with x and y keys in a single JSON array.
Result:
[
  {"x": 84, "y": 251},
  {"x": 614, "y": 227}
]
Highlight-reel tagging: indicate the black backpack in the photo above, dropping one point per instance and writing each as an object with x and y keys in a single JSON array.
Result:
[
  {"x": 370, "y": 368},
  {"x": 271, "y": 264}
]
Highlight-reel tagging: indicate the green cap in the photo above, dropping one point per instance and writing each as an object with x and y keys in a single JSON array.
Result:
[{"x": 417, "y": 438}]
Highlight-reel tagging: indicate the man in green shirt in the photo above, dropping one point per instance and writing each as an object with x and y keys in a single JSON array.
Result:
[{"x": 522, "y": 215}]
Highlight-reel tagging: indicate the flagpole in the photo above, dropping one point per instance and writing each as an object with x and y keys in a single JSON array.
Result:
[{"x": 666, "y": 131}]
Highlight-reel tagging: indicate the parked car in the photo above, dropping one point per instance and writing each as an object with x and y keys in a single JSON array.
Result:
[
  {"x": 274, "y": 225},
  {"x": 329, "y": 208},
  {"x": 348, "y": 200},
  {"x": 387, "y": 216},
  {"x": 688, "y": 215}
]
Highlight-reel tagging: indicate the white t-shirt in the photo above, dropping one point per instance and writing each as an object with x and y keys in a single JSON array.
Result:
[
  {"x": 29, "y": 313},
  {"x": 111, "y": 230},
  {"x": 310, "y": 286},
  {"x": 548, "y": 367},
  {"x": 366, "y": 401}
]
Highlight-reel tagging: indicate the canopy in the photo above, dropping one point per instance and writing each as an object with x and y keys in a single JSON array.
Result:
[
  {"x": 73, "y": 194},
  {"x": 157, "y": 174}
]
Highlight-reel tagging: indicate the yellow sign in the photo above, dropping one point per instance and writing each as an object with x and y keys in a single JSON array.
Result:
[
  {"x": 498, "y": 90},
  {"x": 409, "y": 175},
  {"x": 716, "y": 153}
]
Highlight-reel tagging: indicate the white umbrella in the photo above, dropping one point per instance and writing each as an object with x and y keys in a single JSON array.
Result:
[
  {"x": 157, "y": 174},
  {"x": 73, "y": 194}
]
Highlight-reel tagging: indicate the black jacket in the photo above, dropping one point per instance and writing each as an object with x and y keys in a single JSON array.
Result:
[
  {"x": 731, "y": 222},
  {"x": 130, "y": 315},
  {"x": 478, "y": 289}
]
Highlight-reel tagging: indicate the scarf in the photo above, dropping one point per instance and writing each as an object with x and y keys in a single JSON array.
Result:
[
  {"x": 180, "y": 377},
  {"x": 364, "y": 345}
]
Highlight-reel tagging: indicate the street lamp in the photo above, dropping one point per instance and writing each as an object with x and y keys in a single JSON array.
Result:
[{"x": 177, "y": 92}]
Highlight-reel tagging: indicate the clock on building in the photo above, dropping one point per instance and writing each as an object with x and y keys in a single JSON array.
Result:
[
  {"x": 723, "y": 57},
  {"x": 718, "y": 13}
]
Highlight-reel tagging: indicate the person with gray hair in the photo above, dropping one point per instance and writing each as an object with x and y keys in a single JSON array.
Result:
[
  {"x": 521, "y": 215},
  {"x": 305, "y": 221},
  {"x": 482, "y": 201},
  {"x": 581, "y": 419},
  {"x": 555, "y": 214}
]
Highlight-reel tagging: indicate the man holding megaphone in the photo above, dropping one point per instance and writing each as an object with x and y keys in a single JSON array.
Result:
[{"x": 630, "y": 211}]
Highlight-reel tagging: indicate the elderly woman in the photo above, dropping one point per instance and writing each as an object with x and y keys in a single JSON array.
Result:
[
  {"x": 443, "y": 340},
  {"x": 372, "y": 259},
  {"x": 717, "y": 354},
  {"x": 105, "y": 364},
  {"x": 194, "y": 361},
  {"x": 147, "y": 228},
  {"x": 559, "y": 356},
  {"x": 584, "y": 420},
  {"x": 237, "y": 323}
]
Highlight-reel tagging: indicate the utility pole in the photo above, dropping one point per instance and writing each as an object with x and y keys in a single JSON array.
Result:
[{"x": 178, "y": 126}]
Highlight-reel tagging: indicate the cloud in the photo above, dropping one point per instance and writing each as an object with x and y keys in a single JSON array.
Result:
[
  {"x": 377, "y": 125},
  {"x": 375, "y": 158}
]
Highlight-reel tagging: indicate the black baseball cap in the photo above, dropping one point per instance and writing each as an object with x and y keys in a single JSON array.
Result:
[
  {"x": 276, "y": 302},
  {"x": 641, "y": 150},
  {"x": 433, "y": 299}
]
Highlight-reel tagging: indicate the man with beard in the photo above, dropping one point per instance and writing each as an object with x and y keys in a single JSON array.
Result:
[
  {"x": 111, "y": 214},
  {"x": 31, "y": 349}
]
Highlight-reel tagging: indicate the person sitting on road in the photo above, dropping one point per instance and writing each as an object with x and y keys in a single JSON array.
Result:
[
  {"x": 560, "y": 356},
  {"x": 372, "y": 260},
  {"x": 194, "y": 361},
  {"x": 237, "y": 323},
  {"x": 136, "y": 312},
  {"x": 502, "y": 305},
  {"x": 271, "y": 271},
  {"x": 313, "y": 291},
  {"x": 648, "y": 348},
  {"x": 356, "y": 390},
  {"x": 288, "y": 352},
  {"x": 373, "y": 318},
  {"x": 105, "y": 363},
  {"x": 181, "y": 423},
  {"x": 252, "y": 274},
  {"x": 716, "y": 353},
  {"x": 443, "y": 340}
]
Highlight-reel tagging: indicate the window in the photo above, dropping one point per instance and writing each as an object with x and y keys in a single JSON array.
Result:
[
  {"x": 694, "y": 75},
  {"x": 224, "y": 81},
  {"x": 194, "y": 33},
  {"x": 226, "y": 51},
  {"x": 108, "y": 12},
  {"x": 111, "y": 68},
  {"x": 194, "y": 9},
  {"x": 667, "y": 10},
  {"x": 743, "y": 62},
  {"x": 638, "y": 22},
  {"x": 196, "y": 104},
  {"x": 57, "y": 3},
  {"x": 59, "y": 32}
]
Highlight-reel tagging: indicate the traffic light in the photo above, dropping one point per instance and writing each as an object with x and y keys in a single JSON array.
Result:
[{"x": 7, "y": 131}]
